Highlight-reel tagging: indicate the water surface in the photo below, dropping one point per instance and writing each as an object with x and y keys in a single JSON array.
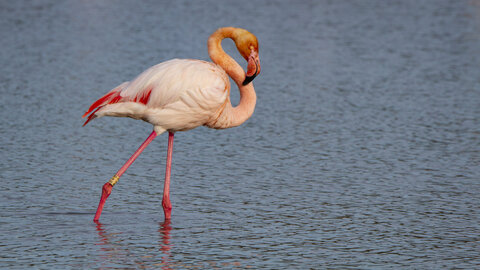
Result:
[{"x": 363, "y": 151}]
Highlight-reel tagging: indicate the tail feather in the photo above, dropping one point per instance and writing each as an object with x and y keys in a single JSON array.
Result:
[
  {"x": 102, "y": 101},
  {"x": 113, "y": 96},
  {"x": 91, "y": 116}
]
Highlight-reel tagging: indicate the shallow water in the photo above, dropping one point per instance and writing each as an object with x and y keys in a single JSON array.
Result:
[{"x": 363, "y": 151}]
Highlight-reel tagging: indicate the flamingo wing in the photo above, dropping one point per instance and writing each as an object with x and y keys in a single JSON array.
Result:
[{"x": 177, "y": 85}]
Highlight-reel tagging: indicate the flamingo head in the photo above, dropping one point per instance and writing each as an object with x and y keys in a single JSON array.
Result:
[{"x": 247, "y": 45}]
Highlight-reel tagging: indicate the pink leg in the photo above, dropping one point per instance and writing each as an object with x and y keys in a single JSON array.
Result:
[
  {"x": 107, "y": 187},
  {"x": 167, "y": 205}
]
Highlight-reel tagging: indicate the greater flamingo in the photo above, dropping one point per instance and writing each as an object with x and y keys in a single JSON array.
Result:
[{"x": 182, "y": 94}]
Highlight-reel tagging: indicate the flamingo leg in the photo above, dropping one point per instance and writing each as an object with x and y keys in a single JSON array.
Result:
[
  {"x": 167, "y": 205},
  {"x": 107, "y": 187}
]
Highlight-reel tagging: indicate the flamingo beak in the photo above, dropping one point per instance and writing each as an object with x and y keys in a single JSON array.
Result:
[{"x": 253, "y": 68}]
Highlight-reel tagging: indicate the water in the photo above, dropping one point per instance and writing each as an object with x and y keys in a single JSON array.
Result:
[{"x": 363, "y": 151}]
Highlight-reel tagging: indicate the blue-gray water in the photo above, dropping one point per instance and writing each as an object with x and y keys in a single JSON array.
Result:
[{"x": 363, "y": 152}]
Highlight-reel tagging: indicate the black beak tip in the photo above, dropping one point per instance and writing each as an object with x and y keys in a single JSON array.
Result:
[{"x": 249, "y": 79}]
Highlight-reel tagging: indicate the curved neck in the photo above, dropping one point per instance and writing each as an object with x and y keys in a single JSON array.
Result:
[{"x": 231, "y": 116}]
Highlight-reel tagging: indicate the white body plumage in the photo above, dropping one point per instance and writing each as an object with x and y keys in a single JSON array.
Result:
[{"x": 179, "y": 95}]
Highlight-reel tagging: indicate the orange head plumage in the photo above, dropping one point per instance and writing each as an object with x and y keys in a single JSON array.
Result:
[{"x": 247, "y": 45}]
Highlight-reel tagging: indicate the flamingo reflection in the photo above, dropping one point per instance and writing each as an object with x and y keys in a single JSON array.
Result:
[
  {"x": 165, "y": 246},
  {"x": 112, "y": 247},
  {"x": 114, "y": 251}
]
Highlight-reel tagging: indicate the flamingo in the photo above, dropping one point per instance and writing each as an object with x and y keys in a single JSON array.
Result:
[{"x": 182, "y": 94}]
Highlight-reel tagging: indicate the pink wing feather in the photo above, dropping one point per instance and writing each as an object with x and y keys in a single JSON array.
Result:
[{"x": 114, "y": 96}]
